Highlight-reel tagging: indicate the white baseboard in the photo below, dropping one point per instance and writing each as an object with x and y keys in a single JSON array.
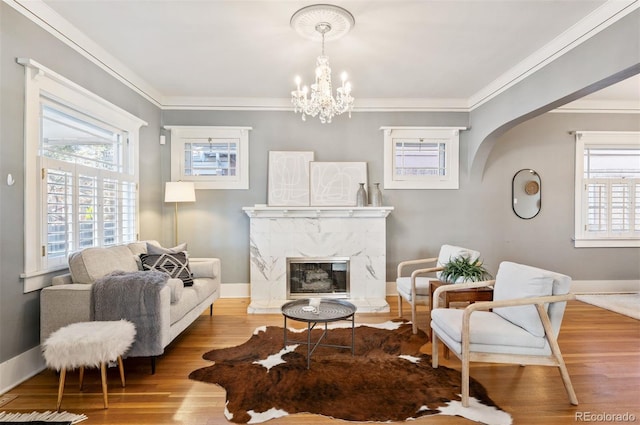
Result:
[
  {"x": 18, "y": 369},
  {"x": 604, "y": 286},
  {"x": 235, "y": 290}
]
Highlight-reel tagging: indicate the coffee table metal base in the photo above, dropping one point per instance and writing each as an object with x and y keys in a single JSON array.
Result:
[{"x": 329, "y": 310}]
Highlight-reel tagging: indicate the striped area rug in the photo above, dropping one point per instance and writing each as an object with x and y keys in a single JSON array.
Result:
[{"x": 47, "y": 417}]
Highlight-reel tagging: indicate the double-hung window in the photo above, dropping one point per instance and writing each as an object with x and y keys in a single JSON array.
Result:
[
  {"x": 607, "y": 192},
  {"x": 81, "y": 186},
  {"x": 89, "y": 187},
  {"x": 421, "y": 157}
]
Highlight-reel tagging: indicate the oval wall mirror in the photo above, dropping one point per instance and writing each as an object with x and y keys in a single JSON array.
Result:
[{"x": 526, "y": 193}]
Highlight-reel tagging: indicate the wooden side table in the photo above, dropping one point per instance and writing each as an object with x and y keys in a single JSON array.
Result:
[{"x": 470, "y": 295}]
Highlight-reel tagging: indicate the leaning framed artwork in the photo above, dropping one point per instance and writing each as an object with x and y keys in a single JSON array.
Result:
[
  {"x": 288, "y": 181},
  {"x": 336, "y": 183}
]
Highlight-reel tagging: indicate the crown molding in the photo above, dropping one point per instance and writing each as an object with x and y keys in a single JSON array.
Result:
[
  {"x": 226, "y": 103},
  {"x": 41, "y": 14},
  {"x": 588, "y": 106},
  {"x": 411, "y": 104},
  {"x": 282, "y": 104},
  {"x": 598, "y": 20},
  {"x": 48, "y": 19}
]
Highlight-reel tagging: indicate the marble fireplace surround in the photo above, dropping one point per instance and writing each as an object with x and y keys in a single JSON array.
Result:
[{"x": 279, "y": 232}]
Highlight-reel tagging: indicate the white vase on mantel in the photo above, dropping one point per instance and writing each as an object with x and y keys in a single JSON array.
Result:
[
  {"x": 376, "y": 196},
  {"x": 361, "y": 196}
]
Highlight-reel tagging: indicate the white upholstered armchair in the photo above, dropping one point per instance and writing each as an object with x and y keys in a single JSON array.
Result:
[
  {"x": 520, "y": 325},
  {"x": 415, "y": 289}
]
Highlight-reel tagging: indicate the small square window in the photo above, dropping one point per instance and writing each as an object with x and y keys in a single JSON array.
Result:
[
  {"x": 421, "y": 157},
  {"x": 211, "y": 157}
]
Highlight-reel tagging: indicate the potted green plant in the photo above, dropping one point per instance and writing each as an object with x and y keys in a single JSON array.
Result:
[{"x": 463, "y": 269}]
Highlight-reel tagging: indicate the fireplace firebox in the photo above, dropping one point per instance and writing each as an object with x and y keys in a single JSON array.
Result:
[{"x": 317, "y": 277}]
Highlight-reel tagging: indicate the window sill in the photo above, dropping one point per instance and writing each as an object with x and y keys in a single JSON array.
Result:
[
  {"x": 220, "y": 184},
  {"x": 34, "y": 281},
  {"x": 607, "y": 243},
  {"x": 421, "y": 184}
]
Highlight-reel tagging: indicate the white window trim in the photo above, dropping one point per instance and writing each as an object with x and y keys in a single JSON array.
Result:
[
  {"x": 602, "y": 138},
  {"x": 40, "y": 81},
  {"x": 452, "y": 142},
  {"x": 183, "y": 134}
]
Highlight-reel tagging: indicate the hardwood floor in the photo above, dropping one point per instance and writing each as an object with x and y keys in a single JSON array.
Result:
[{"x": 601, "y": 349}]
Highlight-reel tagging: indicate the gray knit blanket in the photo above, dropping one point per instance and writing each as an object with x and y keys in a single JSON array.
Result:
[{"x": 135, "y": 297}]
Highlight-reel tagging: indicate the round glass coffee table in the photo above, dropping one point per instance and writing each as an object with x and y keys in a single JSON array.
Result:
[{"x": 316, "y": 311}]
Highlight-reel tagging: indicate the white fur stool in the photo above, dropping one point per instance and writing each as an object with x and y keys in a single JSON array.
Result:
[{"x": 91, "y": 344}]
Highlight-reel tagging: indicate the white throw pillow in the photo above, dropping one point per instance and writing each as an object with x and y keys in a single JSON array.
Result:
[
  {"x": 157, "y": 250},
  {"x": 516, "y": 281}
]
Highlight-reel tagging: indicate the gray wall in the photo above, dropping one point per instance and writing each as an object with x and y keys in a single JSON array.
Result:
[
  {"x": 216, "y": 225},
  {"x": 478, "y": 215},
  {"x": 19, "y": 312},
  {"x": 609, "y": 56},
  {"x": 545, "y": 145}
]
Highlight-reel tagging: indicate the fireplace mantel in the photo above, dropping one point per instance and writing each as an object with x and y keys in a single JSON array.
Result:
[
  {"x": 279, "y": 233},
  {"x": 263, "y": 211}
]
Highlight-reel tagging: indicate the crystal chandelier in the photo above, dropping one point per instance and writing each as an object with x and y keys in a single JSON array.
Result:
[{"x": 321, "y": 101}]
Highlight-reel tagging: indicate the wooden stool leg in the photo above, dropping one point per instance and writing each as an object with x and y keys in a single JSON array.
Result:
[
  {"x": 63, "y": 375},
  {"x": 81, "y": 376},
  {"x": 103, "y": 373},
  {"x": 121, "y": 367}
]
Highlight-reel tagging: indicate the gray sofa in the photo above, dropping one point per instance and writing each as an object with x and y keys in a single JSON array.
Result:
[{"x": 68, "y": 299}]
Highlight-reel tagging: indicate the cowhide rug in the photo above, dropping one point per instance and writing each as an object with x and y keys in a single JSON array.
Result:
[{"x": 388, "y": 379}]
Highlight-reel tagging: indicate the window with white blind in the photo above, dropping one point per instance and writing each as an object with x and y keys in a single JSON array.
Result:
[
  {"x": 88, "y": 181},
  {"x": 421, "y": 157},
  {"x": 81, "y": 180},
  {"x": 607, "y": 189}
]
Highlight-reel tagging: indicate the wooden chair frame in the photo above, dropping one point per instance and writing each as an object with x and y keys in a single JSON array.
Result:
[
  {"x": 415, "y": 274},
  {"x": 466, "y": 355}
]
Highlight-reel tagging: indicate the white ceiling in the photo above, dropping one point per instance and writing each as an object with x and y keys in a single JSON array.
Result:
[{"x": 430, "y": 54}]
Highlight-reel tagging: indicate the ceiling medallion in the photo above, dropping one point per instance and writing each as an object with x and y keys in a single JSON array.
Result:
[{"x": 322, "y": 22}]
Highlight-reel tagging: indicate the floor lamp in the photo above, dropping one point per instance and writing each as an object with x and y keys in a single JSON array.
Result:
[{"x": 179, "y": 192}]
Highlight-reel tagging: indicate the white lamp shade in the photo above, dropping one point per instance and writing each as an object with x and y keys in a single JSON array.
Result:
[{"x": 179, "y": 192}]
